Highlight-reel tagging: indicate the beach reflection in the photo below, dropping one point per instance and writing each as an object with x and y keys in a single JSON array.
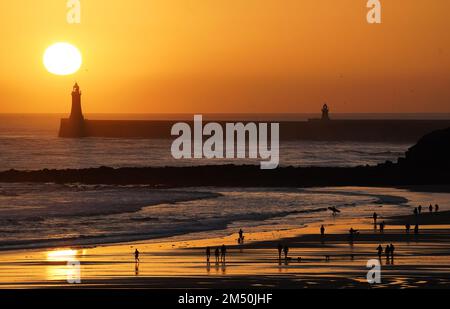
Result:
[
  {"x": 62, "y": 264},
  {"x": 62, "y": 255}
]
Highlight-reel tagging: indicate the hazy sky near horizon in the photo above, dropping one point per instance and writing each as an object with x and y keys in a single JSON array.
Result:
[{"x": 250, "y": 56}]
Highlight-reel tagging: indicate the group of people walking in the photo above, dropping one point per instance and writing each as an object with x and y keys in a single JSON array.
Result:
[
  {"x": 284, "y": 249},
  {"x": 388, "y": 251},
  {"x": 408, "y": 228},
  {"x": 418, "y": 210},
  {"x": 220, "y": 254},
  {"x": 382, "y": 224}
]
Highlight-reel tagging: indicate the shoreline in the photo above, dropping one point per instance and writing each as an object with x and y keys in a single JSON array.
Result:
[
  {"x": 175, "y": 263},
  {"x": 95, "y": 241}
]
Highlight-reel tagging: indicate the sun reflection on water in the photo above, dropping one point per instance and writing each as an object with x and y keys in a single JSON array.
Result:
[
  {"x": 62, "y": 255},
  {"x": 60, "y": 266}
]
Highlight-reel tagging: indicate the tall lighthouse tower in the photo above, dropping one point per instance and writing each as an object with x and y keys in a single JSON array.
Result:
[
  {"x": 74, "y": 126},
  {"x": 76, "y": 113}
]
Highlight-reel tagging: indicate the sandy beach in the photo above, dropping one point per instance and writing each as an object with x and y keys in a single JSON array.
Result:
[
  {"x": 248, "y": 147},
  {"x": 420, "y": 260}
]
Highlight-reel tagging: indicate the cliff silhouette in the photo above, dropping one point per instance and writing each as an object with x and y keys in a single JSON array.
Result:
[
  {"x": 426, "y": 163},
  {"x": 431, "y": 151}
]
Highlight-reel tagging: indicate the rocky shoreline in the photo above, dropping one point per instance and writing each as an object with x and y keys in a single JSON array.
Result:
[{"x": 426, "y": 163}]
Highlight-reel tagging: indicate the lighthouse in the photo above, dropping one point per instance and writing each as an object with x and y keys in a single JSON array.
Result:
[
  {"x": 76, "y": 113},
  {"x": 74, "y": 126},
  {"x": 325, "y": 112}
]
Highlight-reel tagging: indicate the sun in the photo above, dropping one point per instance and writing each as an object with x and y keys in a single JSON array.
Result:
[{"x": 62, "y": 59}]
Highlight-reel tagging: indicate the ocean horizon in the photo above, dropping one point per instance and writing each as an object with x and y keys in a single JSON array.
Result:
[{"x": 31, "y": 142}]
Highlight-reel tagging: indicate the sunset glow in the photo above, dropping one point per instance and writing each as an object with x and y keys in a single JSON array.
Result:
[
  {"x": 230, "y": 56},
  {"x": 223, "y": 152}
]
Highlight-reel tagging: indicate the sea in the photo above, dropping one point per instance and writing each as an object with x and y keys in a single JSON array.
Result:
[{"x": 47, "y": 215}]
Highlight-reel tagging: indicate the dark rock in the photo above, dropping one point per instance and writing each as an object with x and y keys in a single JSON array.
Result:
[{"x": 431, "y": 151}]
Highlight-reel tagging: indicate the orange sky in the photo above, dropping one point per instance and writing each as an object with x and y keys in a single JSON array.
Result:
[{"x": 252, "y": 56}]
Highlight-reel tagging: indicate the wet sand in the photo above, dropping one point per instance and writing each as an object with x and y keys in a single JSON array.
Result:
[
  {"x": 420, "y": 260},
  {"x": 425, "y": 218}
]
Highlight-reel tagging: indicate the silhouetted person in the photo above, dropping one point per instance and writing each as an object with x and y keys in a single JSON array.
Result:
[
  {"x": 416, "y": 212},
  {"x": 382, "y": 225},
  {"x": 430, "y": 208},
  {"x": 322, "y": 231},
  {"x": 280, "y": 249},
  {"x": 208, "y": 254},
  {"x": 241, "y": 236},
  {"x": 223, "y": 251},
  {"x": 375, "y": 216},
  {"x": 387, "y": 252},
  {"x": 408, "y": 227},
  {"x": 380, "y": 251},
  {"x": 436, "y": 208},
  {"x": 217, "y": 254},
  {"x": 352, "y": 234},
  {"x": 416, "y": 229},
  {"x": 286, "y": 251},
  {"x": 136, "y": 255},
  {"x": 420, "y": 209},
  {"x": 391, "y": 250}
]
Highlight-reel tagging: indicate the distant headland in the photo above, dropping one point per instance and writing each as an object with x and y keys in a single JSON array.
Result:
[{"x": 321, "y": 129}]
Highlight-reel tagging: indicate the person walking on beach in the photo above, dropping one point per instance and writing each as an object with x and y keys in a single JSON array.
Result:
[
  {"x": 217, "y": 254},
  {"x": 430, "y": 208},
  {"x": 387, "y": 252},
  {"x": 420, "y": 209},
  {"x": 208, "y": 254},
  {"x": 224, "y": 253},
  {"x": 408, "y": 227},
  {"x": 416, "y": 229},
  {"x": 416, "y": 212},
  {"x": 322, "y": 231},
  {"x": 436, "y": 208},
  {"x": 136, "y": 255},
  {"x": 352, "y": 234},
  {"x": 380, "y": 251},
  {"x": 241, "y": 236},
  {"x": 286, "y": 251},
  {"x": 375, "y": 216},
  {"x": 280, "y": 249},
  {"x": 382, "y": 224}
]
